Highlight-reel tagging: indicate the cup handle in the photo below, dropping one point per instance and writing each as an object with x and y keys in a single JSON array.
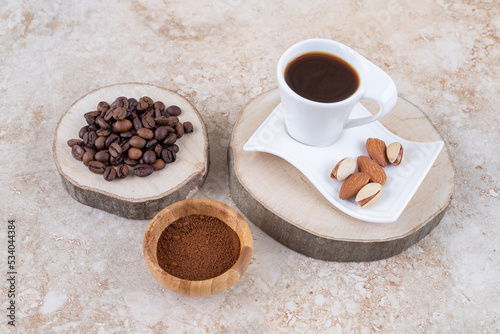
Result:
[{"x": 378, "y": 87}]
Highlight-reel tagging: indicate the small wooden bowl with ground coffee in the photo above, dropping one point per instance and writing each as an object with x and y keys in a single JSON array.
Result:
[{"x": 198, "y": 247}]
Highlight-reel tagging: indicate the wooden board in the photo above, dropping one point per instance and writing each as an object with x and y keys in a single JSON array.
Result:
[
  {"x": 277, "y": 198},
  {"x": 133, "y": 197}
]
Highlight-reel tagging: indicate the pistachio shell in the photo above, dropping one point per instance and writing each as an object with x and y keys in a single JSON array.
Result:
[
  {"x": 395, "y": 153},
  {"x": 368, "y": 194},
  {"x": 343, "y": 169}
]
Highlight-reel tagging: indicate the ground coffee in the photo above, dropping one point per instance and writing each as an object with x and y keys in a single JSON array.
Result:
[{"x": 197, "y": 248}]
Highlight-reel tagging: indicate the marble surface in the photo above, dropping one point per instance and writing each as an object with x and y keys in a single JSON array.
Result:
[{"x": 80, "y": 270}]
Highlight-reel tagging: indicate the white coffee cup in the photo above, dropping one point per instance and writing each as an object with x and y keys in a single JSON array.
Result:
[{"x": 320, "y": 124}]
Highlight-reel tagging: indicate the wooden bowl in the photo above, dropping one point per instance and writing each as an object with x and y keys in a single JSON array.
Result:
[
  {"x": 198, "y": 206},
  {"x": 133, "y": 197}
]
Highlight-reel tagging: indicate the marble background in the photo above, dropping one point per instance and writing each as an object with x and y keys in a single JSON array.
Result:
[{"x": 81, "y": 270}]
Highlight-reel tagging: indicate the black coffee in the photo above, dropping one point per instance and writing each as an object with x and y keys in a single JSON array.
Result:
[{"x": 321, "y": 77}]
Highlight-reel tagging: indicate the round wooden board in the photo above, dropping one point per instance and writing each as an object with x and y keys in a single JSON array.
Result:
[
  {"x": 277, "y": 198},
  {"x": 133, "y": 197}
]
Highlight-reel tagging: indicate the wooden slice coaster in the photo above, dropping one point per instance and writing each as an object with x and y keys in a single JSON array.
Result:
[
  {"x": 277, "y": 198},
  {"x": 133, "y": 197}
]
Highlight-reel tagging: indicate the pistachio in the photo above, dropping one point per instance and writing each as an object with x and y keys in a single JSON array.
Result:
[
  {"x": 395, "y": 153},
  {"x": 343, "y": 169},
  {"x": 368, "y": 194}
]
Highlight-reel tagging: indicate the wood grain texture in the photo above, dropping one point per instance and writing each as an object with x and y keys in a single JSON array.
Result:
[
  {"x": 198, "y": 206},
  {"x": 277, "y": 198},
  {"x": 133, "y": 197}
]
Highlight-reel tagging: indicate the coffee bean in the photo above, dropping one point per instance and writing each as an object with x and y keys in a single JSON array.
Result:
[
  {"x": 168, "y": 156},
  {"x": 102, "y": 106},
  {"x": 122, "y": 125},
  {"x": 121, "y": 101},
  {"x": 102, "y": 123},
  {"x": 88, "y": 157},
  {"x": 137, "y": 142},
  {"x": 115, "y": 150},
  {"x": 148, "y": 122},
  {"x": 127, "y": 134},
  {"x": 142, "y": 105},
  {"x": 103, "y": 132},
  {"x": 77, "y": 152},
  {"x": 72, "y": 142},
  {"x": 150, "y": 145},
  {"x": 125, "y": 146},
  {"x": 158, "y": 149},
  {"x": 83, "y": 130},
  {"x": 132, "y": 103},
  {"x": 130, "y": 162},
  {"x": 162, "y": 120},
  {"x": 179, "y": 130},
  {"x": 89, "y": 138},
  {"x": 172, "y": 120},
  {"x": 137, "y": 123},
  {"x": 143, "y": 170},
  {"x": 188, "y": 127},
  {"x": 149, "y": 101},
  {"x": 145, "y": 133},
  {"x": 97, "y": 167},
  {"x": 94, "y": 113},
  {"x": 149, "y": 157},
  {"x": 158, "y": 105},
  {"x": 161, "y": 133},
  {"x": 122, "y": 171},
  {"x": 111, "y": 139},
  {"x": 109, "y": 174},
  {"x": 171, "y": 138},
  {"x": 89, "y": 119},
  {"x": 102, "y": 156},
  {"x": 115, "y": 161},
  {"x": 100, "y": 143},
  {"x": 173, "y": 148},
  {"x": 108, "y": 115},
  {"x": 119, "y": 113},
  {"x": 159, "y": 164},
  {"x": 174, "y": 110},
  {"x": 134, "y": 153},
  {"x": 133, "y": 115},
  {"x": 85, "y": 138}
]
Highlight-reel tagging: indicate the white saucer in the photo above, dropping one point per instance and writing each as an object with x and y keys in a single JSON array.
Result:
[{"x": 316, "y": 163}]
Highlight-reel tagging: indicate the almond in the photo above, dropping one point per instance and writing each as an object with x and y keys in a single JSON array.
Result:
[
  {"x": 343, "y": 169},
  {"x": 370, "y": 167},
  {"x": 353, "y": 184},
  {"x": 376, "y": 150}
]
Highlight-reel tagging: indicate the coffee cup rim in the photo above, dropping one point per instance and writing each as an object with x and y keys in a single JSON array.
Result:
[{"x": 285, "y": 59}]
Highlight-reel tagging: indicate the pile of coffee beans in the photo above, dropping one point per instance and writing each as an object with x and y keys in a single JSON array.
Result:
[{"x": 129, "y": 134}]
